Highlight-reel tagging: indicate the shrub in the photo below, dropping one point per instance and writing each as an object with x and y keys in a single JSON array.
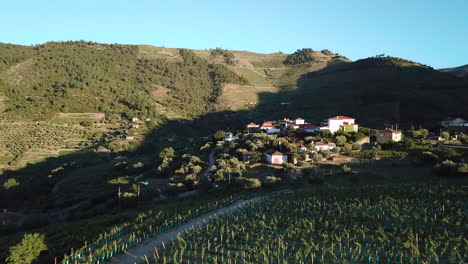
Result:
[
  {"x": 445, "y": 135},
  {"x": 272, "y": 180},
  {"x": 340, "y": 140},
  {"x": 347, "y": 149},
  {"x": 346, "y": 169},
  {"x": 86, "y": 123},
  {"x": 28, "y": 249},
  {"x": 446, "y": 168},
  {"x": 10, "y": 183},
  {"x": 249, "y": 183},
  {"x": 356, "y": 146}
]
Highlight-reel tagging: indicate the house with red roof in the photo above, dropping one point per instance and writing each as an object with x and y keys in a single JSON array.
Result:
[
  {"x": 302, "y": 148},
  {"x": 275, "y": 157},
  {"x": 247, "y": 156},
  {"x": 270, "y": 127},
  {"x": 324, "y": 145},
  {"x": 309, "y": 128},
  {"x": 343, "y": 123}
]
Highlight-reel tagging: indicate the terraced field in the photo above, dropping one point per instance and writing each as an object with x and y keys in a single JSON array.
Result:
[{"x": 31, "y": 142}]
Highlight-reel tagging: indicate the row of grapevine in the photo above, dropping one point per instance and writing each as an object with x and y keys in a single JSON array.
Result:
[
  {"x": 147, "y": 224},
  {"x": 375, "y": 224}
]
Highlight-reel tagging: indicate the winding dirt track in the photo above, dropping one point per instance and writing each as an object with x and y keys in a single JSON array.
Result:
[{"x": 137, "y": 254}]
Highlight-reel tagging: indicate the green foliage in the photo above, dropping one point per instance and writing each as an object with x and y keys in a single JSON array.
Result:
[
  {"x": 445, "y": 134},
  {"x": 10, "y": 183},
  {"x": 357, "y": 146},
  {"x": 86, "y": 123},
  {"x": 300, "y": 56},
  {"x": 110, "y": 79},
  {"x": 28, "y": 249},
  {"x": 327, "y": 52},
  {"x": 341, "y": 140},
  {"x": 446, "y": 168},
  {"x": 226, "y": 54},
  {"x": 356, "y": 224},
  {"x": 346, "y": 169},
  {"x": 249, "y": 183}
]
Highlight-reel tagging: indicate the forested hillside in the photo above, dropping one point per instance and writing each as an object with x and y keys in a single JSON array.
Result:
[{"x": 81, "y": 77}]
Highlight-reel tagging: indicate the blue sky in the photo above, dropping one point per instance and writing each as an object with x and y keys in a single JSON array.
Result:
[{"x": 428, "y": 31}]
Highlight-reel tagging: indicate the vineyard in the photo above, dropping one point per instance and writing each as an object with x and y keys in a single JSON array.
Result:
[
  {"x": 127, "y": 235},
  {"x": 378, "y": 224}
]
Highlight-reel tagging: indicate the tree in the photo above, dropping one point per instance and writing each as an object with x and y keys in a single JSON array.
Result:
[
  {"x": 445, "y": 135},
  {"x": 219, "y": 135},
  {"x": 347, "y": 148},
  {"x": 28, "y": 249},
  {"x": 356, "y": 146},
  {"x": 341, "y": 140},
  {"x": 11, "y": 183},
  {"x": 166, "y": 153}
]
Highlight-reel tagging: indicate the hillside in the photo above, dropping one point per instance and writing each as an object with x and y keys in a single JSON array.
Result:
[
  {"x": 58, "y": 87},
  {"x": 383, "y": 90},
  {"x": 460, "y": 72}
]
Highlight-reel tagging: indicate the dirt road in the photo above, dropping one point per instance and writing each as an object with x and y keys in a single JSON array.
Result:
[{"x": 136, "y": 255}]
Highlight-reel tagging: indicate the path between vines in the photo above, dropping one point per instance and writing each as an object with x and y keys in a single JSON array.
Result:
[{"x": 137, "y": 254}]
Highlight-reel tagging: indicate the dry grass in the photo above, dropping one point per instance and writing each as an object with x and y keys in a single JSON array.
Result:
[
  {"x": 235, "y": 97},
  {"x": 3, "y": 99}
]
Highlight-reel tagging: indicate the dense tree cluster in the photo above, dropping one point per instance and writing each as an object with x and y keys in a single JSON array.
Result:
[{"x": 300, "y": 56}]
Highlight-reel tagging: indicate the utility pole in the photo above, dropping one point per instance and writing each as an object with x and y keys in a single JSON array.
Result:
[{"x": 119, "y": 194}]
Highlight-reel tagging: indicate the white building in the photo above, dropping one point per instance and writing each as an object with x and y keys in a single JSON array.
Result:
[
  {"x": 270, "y": 127},
  {"x": 275, "y": 157},
  {"x": 299, "y": 121},
  {"x": 342, "y": 122},
  {"x": 230, "y": 138},
  {"x": 324, "y": 145}
]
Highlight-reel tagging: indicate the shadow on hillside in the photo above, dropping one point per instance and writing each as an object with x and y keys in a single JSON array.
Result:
[
  {"x": 83, "y": 176},
  {"x": 348, "y": 89}
]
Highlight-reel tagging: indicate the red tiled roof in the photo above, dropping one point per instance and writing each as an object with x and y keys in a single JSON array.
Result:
[
  {"x": 323, "y": 143},
  {"x": 273, "y": 152},
  {"x": 299, "y": 118},
  {"x": 248, "y": 153},
  {"x": 301, "y": 146},
  {"x": 268, "y": 124},
  {"x": 341, "y": 118}
]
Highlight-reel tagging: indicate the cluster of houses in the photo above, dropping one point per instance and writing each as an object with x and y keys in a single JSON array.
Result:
[{"x": 333, "y": 125}]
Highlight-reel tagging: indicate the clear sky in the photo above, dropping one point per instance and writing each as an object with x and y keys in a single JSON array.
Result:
[{"x": 434, "y": 32}]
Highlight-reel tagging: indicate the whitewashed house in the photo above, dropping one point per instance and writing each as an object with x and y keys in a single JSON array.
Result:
[
  {"x": 299, "y": 121},
  {"x": 275, "y": 157},
  {"x": 324, "y": 145},
  {"x": 270, "y": 127},
  {"x": 342, "y": 123}
]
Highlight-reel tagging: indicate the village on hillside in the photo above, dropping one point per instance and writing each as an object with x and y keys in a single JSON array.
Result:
[{"x": 341, "y": 125}]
